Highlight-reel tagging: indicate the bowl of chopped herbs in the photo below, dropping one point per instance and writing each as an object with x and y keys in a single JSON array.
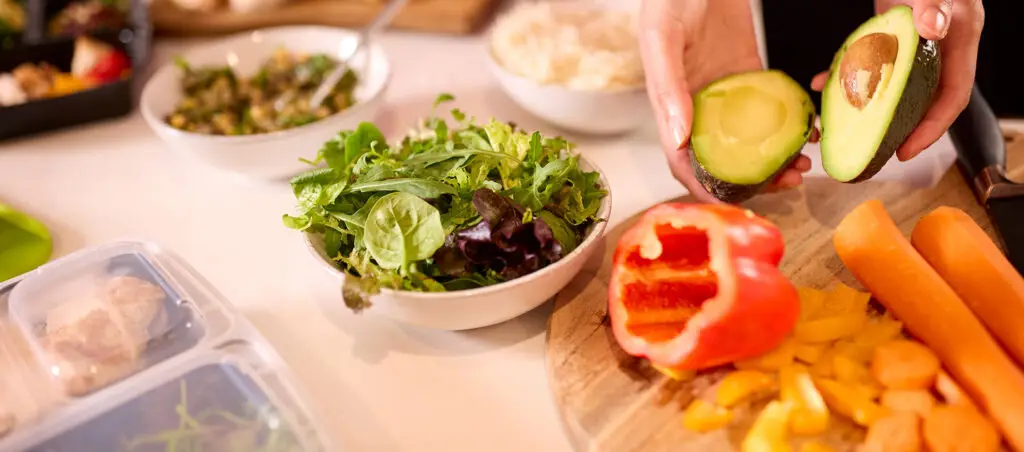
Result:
[{"x": 456, "y": 226}]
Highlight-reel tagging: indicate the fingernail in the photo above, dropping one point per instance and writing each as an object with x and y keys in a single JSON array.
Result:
[
  {"x": 939, "y": 20},
  {"x": 678, "y": 129}
]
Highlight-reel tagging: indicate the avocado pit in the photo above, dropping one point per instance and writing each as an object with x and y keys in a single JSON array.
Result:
[{"x": 863, "y": 65}]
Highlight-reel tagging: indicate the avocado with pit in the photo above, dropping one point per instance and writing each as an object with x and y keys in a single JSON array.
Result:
[
  {"x": 747, "y": 128},
  {"x": 881, "y": 84}
]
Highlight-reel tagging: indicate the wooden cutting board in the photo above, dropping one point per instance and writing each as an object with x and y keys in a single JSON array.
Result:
[
  {"x": 440, "y": 16},
  {"x": 610, "y": 401}
]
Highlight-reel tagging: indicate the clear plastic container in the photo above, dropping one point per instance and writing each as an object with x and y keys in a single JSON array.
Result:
[{"x": 140, "y": 351}]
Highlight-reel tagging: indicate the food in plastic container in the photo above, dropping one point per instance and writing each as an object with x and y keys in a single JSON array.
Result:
[{"x": 146, "y": 357}]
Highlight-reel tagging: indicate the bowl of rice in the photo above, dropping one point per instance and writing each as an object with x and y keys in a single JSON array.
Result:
[{"x": 575, "y": 65}]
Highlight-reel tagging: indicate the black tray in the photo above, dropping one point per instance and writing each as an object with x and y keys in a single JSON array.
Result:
[{"x": 36, "y": 45}]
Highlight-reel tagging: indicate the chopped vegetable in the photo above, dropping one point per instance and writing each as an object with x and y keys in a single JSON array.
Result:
[
  {"x": 218, "y": 101},
  {"x": 769, "y": 432},
  {"x": 810, "y": 353},
  {"x": 773, "y": 360},
  {"x": 918, "y": 401},
  {"x": 883, "y": 260},
  {"x": 692, "y": 285},
  {"x": 741, "y": 385},
  {"x": 956, "y": 428},
  {"x": 703, "y": 416},
  {"x": 967, "y": 258},
  {"x": 904, "y": 364},
  {"x": 445, "y": 208},
  {"x": 810, "y": 414},
  {"x": 816, "y": 446},
  {"x": 897, "y": 432},
  {"x": 850, "y": 402}
]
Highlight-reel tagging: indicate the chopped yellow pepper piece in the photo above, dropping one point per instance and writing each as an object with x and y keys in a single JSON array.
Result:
[
  {"x": 676, "y": 374},
  {"x": 702, "y": 416},
  {"x": 771, "y": 361},
  {"x": 769, "y": 432},
  {"x": 811, "y": 301},
  {"x": 816, "y": 446},
  {"x": 854, "y": 350},
  {"x": 810, "y": 414},
  {"x": 830, "y": 328},
  {"x": 823, "y": 367},
  {"x": 850, "y": 402},
  {"x": 844, "y": 300},
  {"x": 740, "y": 385},
  {"x": 850, "y": 371},
  {"x": 810, "y": 353},
  {"x": 879, "y": 330}
]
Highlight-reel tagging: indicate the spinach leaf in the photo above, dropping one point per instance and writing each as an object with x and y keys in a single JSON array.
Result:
[{"x": 402, "y": 228}]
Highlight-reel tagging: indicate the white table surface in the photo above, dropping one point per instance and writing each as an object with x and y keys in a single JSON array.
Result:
[{"x": 375, "y": 385}]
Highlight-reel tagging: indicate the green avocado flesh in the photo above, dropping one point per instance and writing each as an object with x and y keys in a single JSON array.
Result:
[
  {"x": 747, "y": 127},
  {"x": 857, "y": 140}
]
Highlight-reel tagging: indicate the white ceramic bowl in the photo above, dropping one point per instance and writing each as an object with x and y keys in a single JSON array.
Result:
[
  {"x": 596, "y": 112},
  {"x": 474, "y": 308},
  {"x": 275, "y": 155}
]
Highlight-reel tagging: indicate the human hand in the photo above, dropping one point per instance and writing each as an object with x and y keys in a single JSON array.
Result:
[
  {"x": 685, "y": 45},
  {"x": 957, "y": 25}
]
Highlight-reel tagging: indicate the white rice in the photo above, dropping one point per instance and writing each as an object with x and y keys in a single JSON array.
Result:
[{"x": 578, "y": 47}]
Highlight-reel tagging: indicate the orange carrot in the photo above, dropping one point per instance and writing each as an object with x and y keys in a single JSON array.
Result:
[
  {"x": 960, "y": 251},
  {"x": 904, "y": 364},
  {"x": 956, "y": 428},
  {"x": 884, "y": 261}
]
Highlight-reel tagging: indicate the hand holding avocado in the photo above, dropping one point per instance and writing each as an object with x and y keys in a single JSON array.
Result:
[
  {"x": 890, "y": 92},
  {"x": 955, "y": 25},
  {"x": 693, "y": 43}
]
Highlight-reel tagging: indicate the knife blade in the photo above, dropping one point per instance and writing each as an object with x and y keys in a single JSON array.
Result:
[{"x": 981, "y": 157}]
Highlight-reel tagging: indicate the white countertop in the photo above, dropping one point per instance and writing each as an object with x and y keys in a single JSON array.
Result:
[{"x": 374, "y": 384}]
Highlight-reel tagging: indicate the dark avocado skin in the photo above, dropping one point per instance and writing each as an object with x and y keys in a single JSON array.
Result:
[
  {"x": 913, "y": 104},
  {"x": 736, "y": 193}
]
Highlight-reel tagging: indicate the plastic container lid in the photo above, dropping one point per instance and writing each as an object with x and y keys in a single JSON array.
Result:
[
  {"x": 214, "y": 403},
  {"x": 97, "y": 317}
]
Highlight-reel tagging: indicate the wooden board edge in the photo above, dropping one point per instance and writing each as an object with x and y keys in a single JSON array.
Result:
[{"x": 438, "y": 16}]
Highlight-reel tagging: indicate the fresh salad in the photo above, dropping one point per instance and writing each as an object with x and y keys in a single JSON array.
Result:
[{"x": 450, "y": 207}]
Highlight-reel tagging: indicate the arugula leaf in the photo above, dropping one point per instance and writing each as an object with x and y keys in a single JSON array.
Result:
[{"x": 424, "y": 188}]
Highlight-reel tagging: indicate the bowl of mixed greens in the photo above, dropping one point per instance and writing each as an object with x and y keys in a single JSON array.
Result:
[
  {"x": 242, "y": 104},
  {"x": 458, "y": 225}
]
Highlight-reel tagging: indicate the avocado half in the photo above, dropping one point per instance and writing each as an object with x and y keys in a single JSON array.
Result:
[
  {"x": 881, "y": 83},
  {"x": 747, "y": 128}
]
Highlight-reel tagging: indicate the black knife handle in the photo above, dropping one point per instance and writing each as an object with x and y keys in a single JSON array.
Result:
[{"x": 978, "y": 139}]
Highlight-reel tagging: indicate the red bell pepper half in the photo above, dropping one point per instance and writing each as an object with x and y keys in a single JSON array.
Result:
[{"x": 695, "y": 286}]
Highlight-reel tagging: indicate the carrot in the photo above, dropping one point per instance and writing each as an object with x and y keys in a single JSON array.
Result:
[
  {"x": 904, "y": 364},
  {"x": 977, "y": 270},
  {"x": 915, "y": 401},
  {"x": 956, "y": 428},
  {"x": 898, "y": 432},
  {"x": 883, "y": 260}
]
